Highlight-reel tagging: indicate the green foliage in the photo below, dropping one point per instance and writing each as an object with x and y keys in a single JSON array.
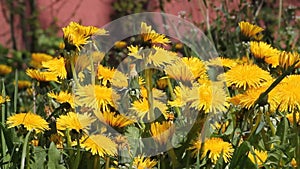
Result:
[{"x": 54, "y": 157}]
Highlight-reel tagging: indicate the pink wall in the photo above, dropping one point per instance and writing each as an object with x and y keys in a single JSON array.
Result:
[{"x": 97, "y": 13}]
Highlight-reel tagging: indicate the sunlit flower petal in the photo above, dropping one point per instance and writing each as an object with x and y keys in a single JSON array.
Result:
[
  {"x": 246, "y": 76},
  {"x": 29, "y": 120},
  {"x": 99, "y": 144},
  {"x": 74, "y": 121}
]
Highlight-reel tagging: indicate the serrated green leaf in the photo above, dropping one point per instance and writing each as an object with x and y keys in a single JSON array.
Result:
[
  {"x": 54, "y": 157},
  {"x": 39, "y": 158},
  {"x": 133, "y": 134}
]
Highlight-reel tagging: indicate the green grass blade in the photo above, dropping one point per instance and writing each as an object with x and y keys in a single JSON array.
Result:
[
  {"x": 24, "y": 151},
  {"x": 16, "y": 92}
]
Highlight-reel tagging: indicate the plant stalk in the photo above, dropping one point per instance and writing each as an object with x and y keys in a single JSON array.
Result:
[{"x": 148, "y": 79}]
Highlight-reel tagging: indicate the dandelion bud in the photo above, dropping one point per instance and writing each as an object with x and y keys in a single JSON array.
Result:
[{"x": 287, "y": 59}]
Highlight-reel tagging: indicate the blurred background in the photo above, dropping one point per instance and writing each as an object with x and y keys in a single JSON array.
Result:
[{"x": 35, "y": 25}]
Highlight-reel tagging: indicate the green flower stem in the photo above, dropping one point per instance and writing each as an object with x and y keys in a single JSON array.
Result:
[
  {"x": 74, "y": 72},
  {"x": 78, "y": 154},
  {"x": 3, "y": 143},
  {"x": 172, "y": 154},
  {"x": 273, "y": 129},
  {"x": 93, "y": 76},
  {"x": 296, "y": 130},
  {"x": 198, "y": 160},
  {"x": 275, "y": 83},
  {"x": 256, "y": 125},
  {"x": 96, "y": 161},
  {"x": 25, "y": 152},
  {"x": 173, "y": 97},
  {"x": 162, "y": 164},
  {"x": 16, "y": 91},
  {"x": 107, "y": 159},
  {"x": 69, "y": 147},
  {"x": 148, "y": 79}
]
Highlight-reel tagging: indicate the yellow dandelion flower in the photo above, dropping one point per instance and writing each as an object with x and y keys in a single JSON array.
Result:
[
  {"x": 141, "y": 162},
  {"x": 120, "y": 44},
  {"x": 151, "y": 36},
  {"x": 42, "y": 76},
  {"x": 162, "y": 83},
  {"x": 215, "y": 147},
  {"x": 259, "y": 157},
  {"x": 220, "y": 61},
  {"x": 290, "y": 117},
  {"x": 61, "y": 45},
  {"x": 288, "y": 92},
  {"x": 162, "y": 132},
  {"x": 178, "y": 46},
  {"x": 57, "y": 66},
  {"x": 211, "y": 97},
  {"x": 262, "y": 50},
  {"x": 134, "y": 51},
  {"x": 4, "y": 99},
  {"x": 156, "y": 56},
  {"x": 105, "y": 74},
  {"x": 294, "y": 163},
  {"x": 95, "y": 96},
  {"x": 29, "y": 120},
  {"x": 113, "y": 119},
  {"x": 183, "y": 94},
  {"x": 38, "y": 58},
  {"x": 84, "y": 61},
  {"x": 119, "y": 80},
  {"x": 23, "y": 84},
  {"x": 248, "y": 98},
  {"x": 4, "y": 69},
  {"x": 287, "y": 59},
  {"x": 246, "y": 76},
  {"x": 180, "y": 72},
  {"x": 100, "y": 145},
  {"x": 141, "y": 107},
  {"x": 236, "y": 100},
  {"x": 161, "y": 57},
  {"x": 196, "y": 66},
  {"x": 78, "y": 35},
  {"x": 63, "y": 97},
  {"x": 249, "y": 29},
  {"x": 196, "y": 146},
  {"x": 34, "y": 142},
  {"x": 74, "y": 121}
]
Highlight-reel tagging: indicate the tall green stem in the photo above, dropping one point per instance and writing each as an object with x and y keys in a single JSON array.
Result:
[
  {"x": 273, "y": 129},
  {"x": 107, "y": 159},
  {"x": 279, "y": 14},
  {"x": 173, "y": 97},
  {"x": 3, "y": 112},
  {"x": 16, "y": 92},
  {"x": 148, "y": 78},
  {"x": 256, "y": 124},
  {"x": 296, "y": 130},
  {"x": 73, "y": 71}
]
